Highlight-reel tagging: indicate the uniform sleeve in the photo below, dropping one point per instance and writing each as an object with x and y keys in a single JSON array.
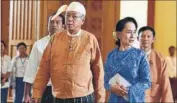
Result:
[
  {"x": 43, "y": 75},
  {"x": 136, "y": 92},
  {"x": 13, "y": 65},
  {"x": 13, "y": 68},
  {"x": 32, "y": 65},
  {"x": 9, "y": 66},
  {"x": 165, "y": 84},
  {"x": 98, "y": 72}
]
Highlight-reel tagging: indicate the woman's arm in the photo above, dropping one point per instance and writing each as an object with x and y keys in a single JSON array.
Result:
[
  {"x": 117, "y": 89},
  {"x": 136, "y": 92}
]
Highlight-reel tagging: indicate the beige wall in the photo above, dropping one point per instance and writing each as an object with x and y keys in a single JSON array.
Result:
[{"x": 165, "y": 25}]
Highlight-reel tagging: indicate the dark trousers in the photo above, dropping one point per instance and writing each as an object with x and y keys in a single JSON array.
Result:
[
  {"x": 173, "y": 82},
  {"x": 4, "y": 92},
  {"x": 47, "y": 96},
  {"x": 19, "y": 90},
  {"x": 86, "y": 99}
]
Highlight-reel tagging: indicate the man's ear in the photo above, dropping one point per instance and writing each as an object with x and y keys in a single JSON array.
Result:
[
  {"x": 83, "y": 20},
  {"x": 153, "y": 40}
]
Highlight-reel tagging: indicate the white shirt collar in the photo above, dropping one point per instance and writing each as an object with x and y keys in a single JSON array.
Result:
[
  {"x": 77, "y": 34},
  {"x": 48, "y": 36},
  {"x": 147, "y": 53}
]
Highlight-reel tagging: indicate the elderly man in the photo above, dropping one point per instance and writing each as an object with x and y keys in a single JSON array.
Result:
[
  {"x": 73, "y": 61},
  {"x": 54, "y": 25},
  {"x": 161, "y": 89}
]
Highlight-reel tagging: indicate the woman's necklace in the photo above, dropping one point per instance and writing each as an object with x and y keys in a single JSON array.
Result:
[{"x": 23, "y": 62}]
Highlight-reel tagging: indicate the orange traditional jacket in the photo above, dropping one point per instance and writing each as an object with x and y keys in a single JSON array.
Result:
[
  {"x": 161, "y": 89},
  {"x": 74, "y": 65}
]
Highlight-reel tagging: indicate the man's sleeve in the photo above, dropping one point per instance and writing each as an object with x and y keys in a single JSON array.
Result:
[
  {"x": 43, "y": 75},
  {"x": 165, "y": 84},
  {"x": 98, "y": 72},
  {"x": 32, "y": 65}
]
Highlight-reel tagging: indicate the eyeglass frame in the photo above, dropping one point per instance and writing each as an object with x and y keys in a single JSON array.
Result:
[{"x": 75, "y": 17}]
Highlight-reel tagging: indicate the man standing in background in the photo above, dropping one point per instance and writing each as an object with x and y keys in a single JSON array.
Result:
[
  {"x": 171, "y": 65},
  {"x": 160, "y": 90},
  {"x": 54, "y": 25}
]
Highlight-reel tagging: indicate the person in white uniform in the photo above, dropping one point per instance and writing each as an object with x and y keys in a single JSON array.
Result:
[
  {"x": 54, "y": 25},
  {"x": 19, "y": 64},
  {"x": 5, "y": 72}
]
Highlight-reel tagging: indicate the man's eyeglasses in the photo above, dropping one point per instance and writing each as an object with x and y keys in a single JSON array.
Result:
[{"x": 75, "y": 17}]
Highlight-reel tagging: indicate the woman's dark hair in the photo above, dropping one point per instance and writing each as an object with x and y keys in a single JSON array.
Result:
[
  {"x": 21, "y": 44},
  {"x": 121, "y": 25},
  {"x": 144, "y": 28},
  {"x": 3, "y": 43}
]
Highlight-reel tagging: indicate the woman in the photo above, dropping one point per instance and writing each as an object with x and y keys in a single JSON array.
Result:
[
  {"x": 5, "y": 72},
  {"x": 19, "y": 64},
  {"x": 129, "y": 63}
]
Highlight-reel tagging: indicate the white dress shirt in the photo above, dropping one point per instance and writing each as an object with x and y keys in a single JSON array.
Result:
[
  {"x": 19, "y": 66},
  {"x": 5, "y": 67},
  {"x": 171, "y": 65},
  {"x": 35, "y": 58}
]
